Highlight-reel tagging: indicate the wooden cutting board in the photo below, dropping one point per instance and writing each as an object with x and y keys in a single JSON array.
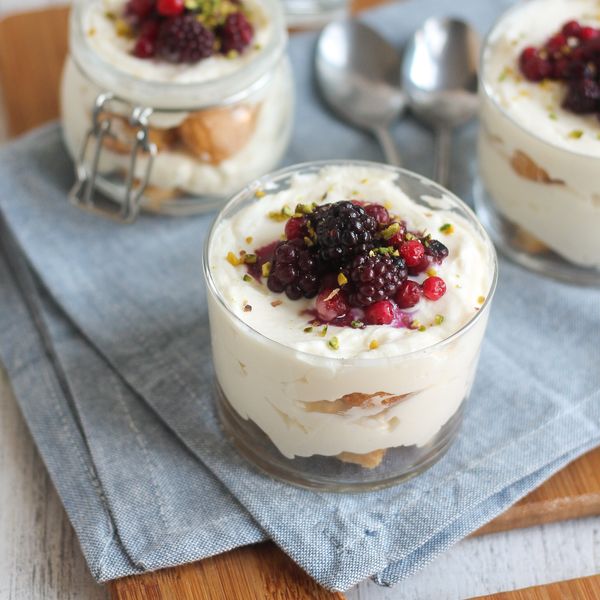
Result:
[{"x": 32, "y": 49}]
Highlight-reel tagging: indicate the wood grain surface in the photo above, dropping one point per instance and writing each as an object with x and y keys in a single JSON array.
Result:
[{"x": 32, "y": 49}]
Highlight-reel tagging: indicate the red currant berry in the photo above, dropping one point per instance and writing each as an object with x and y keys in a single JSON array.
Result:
[
  {"x": 380, "y": 313},
  {"x": 331, "y": 304},
  {"x": 556, "y": 43},
  {"x": 144, "y": 48},
  {"x": 296, "y": 228},
  {"x": 408, "y": 294},
  {"x": 588, "y": 33},
  {"x": 571, "y": 29},
  {"x": 170, "y": 8},
  {"x": 412, "y": 252},
  {"x": 379, "y": 213},
  {"x": 434, "y": 288},
  {"x": 139, "y": 9}
]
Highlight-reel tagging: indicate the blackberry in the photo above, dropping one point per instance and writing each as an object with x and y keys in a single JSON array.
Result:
[
  {"x": 375, "y": 278},
  {"x": 184, "y": 39},
  {"x": 583, "y": 96},
  {"x": 294, "y": 270},
  {"x": 343, "y": 230},
  {"x": 235, "y": 34},
  {"x": 435, "y": 249}
]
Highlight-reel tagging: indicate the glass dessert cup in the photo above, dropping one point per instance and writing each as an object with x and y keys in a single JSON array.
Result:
[
  {"x": 538, "y": 198},
  {"x": 334, "y": 423},
  {"x": 174, "y": 146}
]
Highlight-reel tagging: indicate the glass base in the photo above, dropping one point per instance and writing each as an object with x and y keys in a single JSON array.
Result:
[
  {"x": 313, "y": 14},
  {"x": 525, "y": 249},
  {"x": 327, "y": 473}
]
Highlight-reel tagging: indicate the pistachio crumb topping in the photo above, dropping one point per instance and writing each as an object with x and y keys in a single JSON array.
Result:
[
  {"x": 439, "y": 319},
  {"x": 323, "y": 331},
  {"x": 373, "y": 345},
  {"x": 390, "y": 231},
  {"x": 234, "y": 260},
  {"x": 481, "y": 300},
  {"x": 260, "y": 193},
  {"x": 308, "y": 329},
  {"x": 447, "y": 228},
  {"x": 576, "y": 134},
  {"x": 282, "y": 215},
  {"x": 356, "y": 324},
  {"x": 250, "y": 259},
  {"x": 553, "y": 116},
  {"x": 342, "y": 279},
  {"x": 247, "y": 278},
  {"x": 431, "y": 272},
  {"x": 387, "y": 204},
  {"x": 266, "y": 269},
  {"x": 422, "y": 328},
  {"x": 249, "y": 239},
  {"x": 334, "y": 343}
]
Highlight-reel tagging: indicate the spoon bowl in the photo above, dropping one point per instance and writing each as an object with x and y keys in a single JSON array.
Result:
[
  {"x": 358, "y": 74},
  {"x": 439, "y": 77}
]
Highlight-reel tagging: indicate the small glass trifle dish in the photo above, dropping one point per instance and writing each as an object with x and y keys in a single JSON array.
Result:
[
  {"x": 347, "y": 302},
  {"x": 172, "y": 106},
  {"x": 539, "y": 143}
]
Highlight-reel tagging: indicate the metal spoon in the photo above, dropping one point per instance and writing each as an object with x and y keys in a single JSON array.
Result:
[
  {"x": 358, "y": 75},
  {"x": 439, "y": 77}
]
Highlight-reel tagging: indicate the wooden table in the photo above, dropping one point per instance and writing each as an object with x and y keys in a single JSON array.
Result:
[{"x": 265, "y": 570}]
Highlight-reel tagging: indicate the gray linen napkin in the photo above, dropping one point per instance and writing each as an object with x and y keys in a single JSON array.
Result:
[{"x": 117, "y": 389}]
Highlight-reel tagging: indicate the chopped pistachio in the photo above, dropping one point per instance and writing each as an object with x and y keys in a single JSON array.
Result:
[
  {"x": 576, "y": 134},
  {"x": 323, "y": 331},
  {"x": 260, "y": 193},
  {"x": 356, "y": 324},
  {"x": 447, "y": 228},
  {"x": 409, "y": 236},
  {"x": 247, "y": 278},
  {"x": 249, "y": 239},
  {"x": 232, "y": 54},
  {"x": 342, "y": 279},
  {"x": 123, "y": 28},
  {"x": 373, "y": 345},
  {"x": 308, "y": 330},
  {"x": 305, "y": 209},
  {"x": 250, "y": 259},
  {"x": 334, "y": 343},
  {"x": 308, "y": 241},
  {"x": 281, "y": 215},
  {"x": 422, "y": 328},
  {"x": 266, "y": 269},
  {"x": 387, "y": 204},
  {"x": 439, "y": 319},
  {"x": 415, "y": 324},
  {"x": 553, "y": 116},
  {"x": 234, "y": 260},
  {"x": 390, "y": 231},
  {"x": 481, "y": 300},
  {"x": 431, "y": 272}
]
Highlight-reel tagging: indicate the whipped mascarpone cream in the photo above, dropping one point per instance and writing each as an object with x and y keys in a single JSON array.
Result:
[
  {"x": 292, "y": 384},
  {"x": 538, "y": 161}
]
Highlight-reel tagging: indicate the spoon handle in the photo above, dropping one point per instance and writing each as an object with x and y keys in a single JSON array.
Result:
[
  {"x": 390, "y": 151},
  {"x": 443, "y": 148}
]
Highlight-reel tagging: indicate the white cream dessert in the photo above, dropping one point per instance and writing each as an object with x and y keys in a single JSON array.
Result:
[
  {"x": 356, "y": 354},
  {"x": 209, "y": 151},
  {"x": 540, "y": 133}
]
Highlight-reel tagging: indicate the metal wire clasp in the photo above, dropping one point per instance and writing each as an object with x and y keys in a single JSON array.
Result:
[{"x": 84, "y": 192}]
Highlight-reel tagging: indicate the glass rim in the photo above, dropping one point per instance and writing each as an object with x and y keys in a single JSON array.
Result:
[
  {"x": 286, "y": 172},
  {"x": 233, "y": 87},
  {"x": 485, "y": 85}
]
